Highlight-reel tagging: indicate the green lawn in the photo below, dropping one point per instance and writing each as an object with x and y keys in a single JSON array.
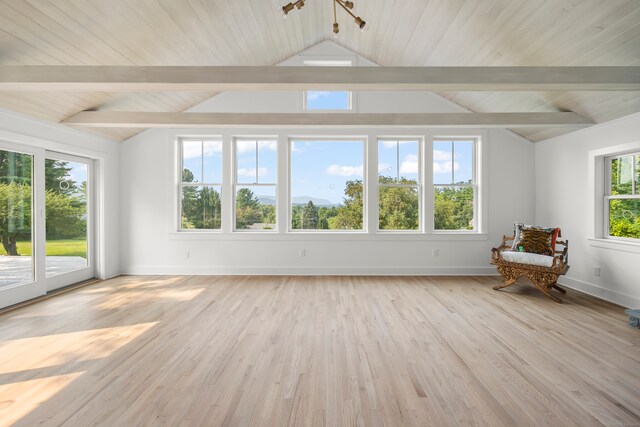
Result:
[{"x": 55, "y": 248}]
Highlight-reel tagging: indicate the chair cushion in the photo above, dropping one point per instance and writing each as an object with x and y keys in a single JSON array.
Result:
[{"x": 527, "y": 258}]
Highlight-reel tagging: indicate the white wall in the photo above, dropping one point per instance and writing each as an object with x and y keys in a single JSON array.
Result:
[
  {"x": 22, "y": 130},
  {"x": 564, "y": 199},
  {"x": 149, "y": 244}
]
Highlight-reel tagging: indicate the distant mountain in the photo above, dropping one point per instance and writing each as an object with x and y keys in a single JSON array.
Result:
[
  {"x": 301, "y": 200},
  {"x": 267, "y": 200}
]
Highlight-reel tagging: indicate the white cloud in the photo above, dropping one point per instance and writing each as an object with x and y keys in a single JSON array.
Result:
[
  {"x": 252, "y": 172},
  {"x": 296, "y": 147},
  {"x": 345, "y": 170},
  {"x": 392, "y": 144},
  {"x": 192, "y": 149},
  {"x": 246, "y": 146},
  {"x": 410, "y": 164},
  {"x": 439, "y": 155},
  {"x": 269, "y": 145},
  {"x": 444, "y": 167},
  {"x": 313, "y": 95}
]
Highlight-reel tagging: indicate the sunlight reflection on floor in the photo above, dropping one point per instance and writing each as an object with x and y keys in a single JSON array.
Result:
[
  {"x": 149, "y": 295},
  {"x": 20, "y": 398},
  {"x": 58, "y": 349}
]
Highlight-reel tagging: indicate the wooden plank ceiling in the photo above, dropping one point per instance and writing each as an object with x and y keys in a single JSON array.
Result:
[{"x": 252, "y": 32}]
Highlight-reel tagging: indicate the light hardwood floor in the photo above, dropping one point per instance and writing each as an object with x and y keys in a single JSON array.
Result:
[{"x": 334, "y": 351}]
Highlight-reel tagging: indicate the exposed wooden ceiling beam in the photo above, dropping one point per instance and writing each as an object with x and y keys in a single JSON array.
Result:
[
  {"x": 210, "y": 78},
  {"x": 123, "y": 119}
]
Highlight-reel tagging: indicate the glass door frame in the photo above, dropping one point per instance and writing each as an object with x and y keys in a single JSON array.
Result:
[
  {"x": 14, "y": 294},
  {"x": 89, "y": 272}
]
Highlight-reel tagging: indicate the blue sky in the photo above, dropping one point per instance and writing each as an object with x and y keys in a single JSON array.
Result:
[
  {"x": 321, "y": 169},
  {"x": 324, "y": 100}
]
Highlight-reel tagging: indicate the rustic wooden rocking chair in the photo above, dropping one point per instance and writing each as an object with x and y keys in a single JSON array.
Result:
[{"x": 543, "y": 277}]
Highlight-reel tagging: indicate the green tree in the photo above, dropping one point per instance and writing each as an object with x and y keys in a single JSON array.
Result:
[
  {"x": 189, "y": 202},
  {"x": 57, "y": 177},
  {"x": 296, "y": 217},
  {"x": 15, "y": 215},
  {"x": 453, "y": 208},
  {"x": 15, "y": 167},
  {"x": 349, "y": 214},
  {"x": 209, "y": 204},
  {"x": 248, "y": 210},
  {"x": 268, "y": 213},
  {"x": 398, "y": 207},
  {"x": 64, "y": 217},
  {"x": 624, "y": 214},
  {"x": 310, "y": 216}
]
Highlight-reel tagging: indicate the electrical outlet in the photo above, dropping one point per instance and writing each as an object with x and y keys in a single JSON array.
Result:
[
  {"x": 435, "y": 252},
  {"x": 303, "y": 252},
  {"x": 596, "y": 271}
]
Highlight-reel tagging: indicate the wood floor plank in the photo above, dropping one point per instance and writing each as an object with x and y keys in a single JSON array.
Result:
[{"x": 317, "y": 351}]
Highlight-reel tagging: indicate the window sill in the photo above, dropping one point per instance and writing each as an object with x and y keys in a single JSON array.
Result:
[
  {"x": 326, "y": 236},
  {"x": 616, "y": 245}
]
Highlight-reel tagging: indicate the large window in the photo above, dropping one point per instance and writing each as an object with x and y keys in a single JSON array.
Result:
[
  {"x": 622, "y": 200},
  {"x": 201, "y": 184},
  {"x": 399, "y": 184},
  {"x": 327, "y": 184},
  {"x": 323, "y": 100},
  {"x": 255, "y": 184},
  {"x": 321, "y": 184},
  {"x": 454, "y": 180}
]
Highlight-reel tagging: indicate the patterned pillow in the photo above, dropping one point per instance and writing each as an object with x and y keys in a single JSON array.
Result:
[
  {"x": 518, "y": 227},
  {"x": 537, "y": 241}
]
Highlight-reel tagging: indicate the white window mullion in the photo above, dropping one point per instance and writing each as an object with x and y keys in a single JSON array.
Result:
[
  {"x": 371, "y": 183},
  {"x": 228, "y": 196},
  {"x": 283, "y": 189},
  {"x": 427, "y": 183}
]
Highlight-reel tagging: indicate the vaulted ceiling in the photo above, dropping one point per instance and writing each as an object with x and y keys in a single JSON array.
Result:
[{"x": 252, "y": 32}]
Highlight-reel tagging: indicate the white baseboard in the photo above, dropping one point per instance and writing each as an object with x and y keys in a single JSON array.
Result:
[
  {"x": 602, "y": 293},
  {"x": 312, "y": 271}
]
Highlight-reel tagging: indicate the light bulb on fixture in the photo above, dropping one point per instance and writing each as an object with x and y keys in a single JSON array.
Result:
[
  {"x": 336, "y": 30},
  {"x": 286, "y": 9},
  {"x": 349, "y": 4},
  {"x": 362, "y": 24}
]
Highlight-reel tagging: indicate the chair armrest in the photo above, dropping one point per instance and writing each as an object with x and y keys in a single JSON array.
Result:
[{"x": 495, "y": 252}]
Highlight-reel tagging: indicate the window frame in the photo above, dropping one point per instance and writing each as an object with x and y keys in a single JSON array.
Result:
[
  {"x": 369, "y": 137},
  {"x": 419, "y": 183},
  {"x": 635, "y": 192},
  {"x": 182, "y": 184},
  {"x": 235, "y": 184},
  {"x": 477, "y": 227},
  {"x": 328, "y": 138}
]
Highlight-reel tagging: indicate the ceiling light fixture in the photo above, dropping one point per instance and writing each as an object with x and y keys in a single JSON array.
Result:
[{"x": 344, "y": 4}]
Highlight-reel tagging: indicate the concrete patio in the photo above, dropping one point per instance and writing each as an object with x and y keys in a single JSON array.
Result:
[{"x": 19, "y": 269}]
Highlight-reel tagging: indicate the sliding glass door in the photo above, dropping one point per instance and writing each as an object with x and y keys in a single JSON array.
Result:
[
  {"x": 46, "y": 225},
  {"x": 68, "y": 220}
]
